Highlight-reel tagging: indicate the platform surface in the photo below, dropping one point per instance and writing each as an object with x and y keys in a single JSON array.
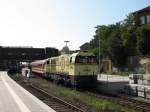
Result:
[
  {"x": 112, "y": 78},
  {"x": 14, "y": 98}
]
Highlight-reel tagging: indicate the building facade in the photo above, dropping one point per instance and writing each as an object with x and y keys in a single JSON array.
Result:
[
  {"x": 142, "y": 16},
  {"x": 11, "y": 57},
  {"x": 139, "y": 64}
]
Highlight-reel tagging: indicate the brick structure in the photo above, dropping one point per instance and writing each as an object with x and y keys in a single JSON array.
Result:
[
  {"x": 142, "y": 16},
  {"x": 106, "y": 65},
  {"x": 10, "y": 57},
  {"x": 139, "y": 64}
]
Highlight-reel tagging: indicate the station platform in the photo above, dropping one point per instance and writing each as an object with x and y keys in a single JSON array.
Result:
[
  {"x": 14, "y": 98},
  {"x": 111, "y": 84},
  {"x": 112, "y": 78}
]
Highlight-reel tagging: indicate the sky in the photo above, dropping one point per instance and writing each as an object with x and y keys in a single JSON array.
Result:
[{"x": 48, "y": 23}]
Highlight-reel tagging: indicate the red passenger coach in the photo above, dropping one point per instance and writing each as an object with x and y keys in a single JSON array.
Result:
[{"x": 39, "y": 66}]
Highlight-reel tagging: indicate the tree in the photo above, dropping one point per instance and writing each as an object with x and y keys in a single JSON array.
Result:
[{"x": 120, "y": 40}]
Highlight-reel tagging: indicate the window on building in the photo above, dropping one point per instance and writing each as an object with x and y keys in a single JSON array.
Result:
[
  {"x": 148, "y": 18},
  {"x": 23, "y": 54},
  {"x": 9, "y": 53},
  {"x": 142, "y": 19}
]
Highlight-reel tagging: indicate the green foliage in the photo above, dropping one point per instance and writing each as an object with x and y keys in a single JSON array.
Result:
[
  {"x": 120, "y": 40},
  {"x": 16, "y": 76},
  {"x": 78, "y": 97}
]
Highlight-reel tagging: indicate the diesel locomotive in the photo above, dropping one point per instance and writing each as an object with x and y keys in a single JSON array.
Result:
[{"x": 77, "y": 69}]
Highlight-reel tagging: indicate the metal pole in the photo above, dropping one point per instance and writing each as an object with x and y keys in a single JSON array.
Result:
[
  {"x": 99, "y": 57},
  {"x": 66, "y": 41}
]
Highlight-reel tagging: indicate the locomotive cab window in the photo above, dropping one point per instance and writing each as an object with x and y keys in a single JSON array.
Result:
[
  {"x": 86, "y": 59},
  {"x": 72, "y": 59}
]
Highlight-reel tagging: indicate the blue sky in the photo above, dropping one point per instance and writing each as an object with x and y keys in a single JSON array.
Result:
[{"x": 47, "y": 23}]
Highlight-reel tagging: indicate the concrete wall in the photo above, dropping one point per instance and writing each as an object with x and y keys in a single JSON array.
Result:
[
  {"x": 111, "y": 87},
  {"x": 111, "y": 84}
]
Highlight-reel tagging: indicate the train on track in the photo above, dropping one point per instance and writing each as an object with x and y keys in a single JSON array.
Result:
[{"x": 77, "y": 69}]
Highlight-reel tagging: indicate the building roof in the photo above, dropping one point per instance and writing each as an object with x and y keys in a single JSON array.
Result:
[
  {"x": 142, "y": 10},
  {"x": 82, "y": 54},
  {"x": 85, "y": 46}
]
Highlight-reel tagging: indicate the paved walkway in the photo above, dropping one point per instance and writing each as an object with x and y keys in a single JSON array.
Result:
[{"x": 14, "y": 98}]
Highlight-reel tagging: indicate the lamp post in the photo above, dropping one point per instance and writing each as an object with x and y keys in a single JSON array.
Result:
[
  {"x": 66, "y": 41},
  {"x": 99, "y": 57},
  {"x": 66, "y": 48}
]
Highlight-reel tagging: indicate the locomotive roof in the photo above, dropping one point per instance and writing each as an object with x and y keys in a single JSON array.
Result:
[{"x": 39, "y": 61}]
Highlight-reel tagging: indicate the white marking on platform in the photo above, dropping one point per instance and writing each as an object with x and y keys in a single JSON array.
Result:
[
  {"x": 43, "y": 105},
  {"x": 113, "y": 78},
  {"x": 19, "y": 102}
]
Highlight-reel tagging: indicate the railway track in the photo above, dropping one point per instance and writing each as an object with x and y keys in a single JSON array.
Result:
[
  {"x": 61, "y": 106},
  {"x": 54, "y": 102},
  {"x": 140, "y": 105},
  {"x": 125, "y": 101}
]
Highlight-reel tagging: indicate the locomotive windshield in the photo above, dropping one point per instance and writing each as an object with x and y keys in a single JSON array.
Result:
[{"x": 86, "y": 59}]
